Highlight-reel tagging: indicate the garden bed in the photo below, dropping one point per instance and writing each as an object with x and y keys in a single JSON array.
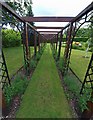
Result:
[
  {"x": 19, "y": 82},
  {"x": 72, "y": 87}
]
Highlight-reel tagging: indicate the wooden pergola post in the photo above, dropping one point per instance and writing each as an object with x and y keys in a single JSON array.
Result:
[
  {"x": 39, "y": 42},
  {"x": 68, "y": 40},
  {"x": 56, "y": 41},
  {"x": 67, "y": 49},
  {"x": 60, "y": 44},
  {"x": 3, "y": 104},
  {"x": 35, "y": 43},
  {"x": 26, "y": 49}
]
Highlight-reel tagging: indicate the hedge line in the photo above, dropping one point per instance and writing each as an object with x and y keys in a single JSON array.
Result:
[{"x": 77, "y": 39}]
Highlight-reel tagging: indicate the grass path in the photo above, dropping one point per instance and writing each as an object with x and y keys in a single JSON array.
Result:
[{"x": 44, "y": 96}]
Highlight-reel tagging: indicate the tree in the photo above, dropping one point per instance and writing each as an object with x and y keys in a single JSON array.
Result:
[
  {"x": 23, "y": 9},
  {"x": 89, "y": 43},
  {"x": 83, "y": 32}
]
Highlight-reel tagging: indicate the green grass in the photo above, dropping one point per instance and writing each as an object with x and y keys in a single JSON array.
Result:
[
  {"x": 44, "y": 97},
  {"x": 14, "y": 58},
  {"x": 79, "y": 63}
]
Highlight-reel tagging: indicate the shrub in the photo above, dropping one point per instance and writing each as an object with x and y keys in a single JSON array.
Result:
[
  {"x": 33, "y": 64},
  {"x": 54, "y": 52},
  {"x": 78, "y": 39},
  {"x": 11, "y": 38},
  {"x": 81, "y": 39},
  {"x": 61, "y": 65},
  {"x": 77, "y": 47},
  {"x": 37, "y": 57},
  {"x": 41, "y": 50},
  {"x": 89, "y": 44},
  {"x": 73, "y": 86},
  {"x": 18, "y": 87}
]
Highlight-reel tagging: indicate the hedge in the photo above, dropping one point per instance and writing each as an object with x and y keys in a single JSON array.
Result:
[
  {"x": 10, "y": 38},
  {"x": 77, "y": 39},
  {"x": 81, "y": 39}
]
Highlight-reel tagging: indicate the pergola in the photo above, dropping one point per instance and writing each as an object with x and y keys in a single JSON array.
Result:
[
  {"x": 43, "y": 34},
  {"x": 51, "y": 34}
]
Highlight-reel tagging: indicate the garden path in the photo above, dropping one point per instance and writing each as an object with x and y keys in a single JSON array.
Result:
[{"x": 44, "y": 96}]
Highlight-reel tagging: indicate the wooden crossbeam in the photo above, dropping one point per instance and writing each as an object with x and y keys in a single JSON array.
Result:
[
  {"x": 48, "y": 31},
  {"x": 47, "y": 27},
  {"x": 44, "y": 33},
  {"x": 47, "y": 19},
  {"x": 9, "y": 9}
]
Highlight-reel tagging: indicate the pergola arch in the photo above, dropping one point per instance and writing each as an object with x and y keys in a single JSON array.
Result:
[{"x": 88, "y": 11}]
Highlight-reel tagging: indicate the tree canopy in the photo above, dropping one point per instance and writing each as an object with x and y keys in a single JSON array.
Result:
[{"x": 22, "y": 8}]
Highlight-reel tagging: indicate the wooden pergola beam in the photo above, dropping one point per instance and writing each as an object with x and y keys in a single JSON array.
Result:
[
  {"x": 45, "y": 27},
  {"x": 9, "y": 9},
  {"x": 47, "y": 19},
  {"x": 49, "y": 31}
]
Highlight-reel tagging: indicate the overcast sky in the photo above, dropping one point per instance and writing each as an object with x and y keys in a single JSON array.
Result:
[{"x": 58, "y": 8}]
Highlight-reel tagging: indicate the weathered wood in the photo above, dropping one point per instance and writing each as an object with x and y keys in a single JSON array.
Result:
[
  {"x": 39, "y": 42},
  {"x": 47, "y": 19},
  {"x": 45, "y": 27},
  {"x": 56, "y": 41},
  {"x": 59, "y": 50},
  {"x": 35, "y": 43}
]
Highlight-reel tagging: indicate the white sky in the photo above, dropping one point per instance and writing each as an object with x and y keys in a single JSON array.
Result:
[{"x": 58, "y": 8}]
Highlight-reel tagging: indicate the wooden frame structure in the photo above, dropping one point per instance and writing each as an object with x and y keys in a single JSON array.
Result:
[
  {"x": 72, "y": 28},
  {"x": 48, "y": 19},
  {"x": 54, "y": 35}
]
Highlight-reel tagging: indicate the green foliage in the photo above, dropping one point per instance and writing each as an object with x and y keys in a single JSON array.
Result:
[
  {"x": 77, "y": 39},
  {"x": 83, "y": 32},
  {"x": 89, "y": 44},
  {"x": 18, "y": 87},
  {"x": 73, "y": 86},
  {"x": 54, "y": 52},
  {"x": 41, "y": 50},
  {"x": 33, "y": 64},
  {"x": 80, "y": 39},
  {"x": 60, "y": 64},
  {"x": 22, "y": 8},
  {"x": 37, "y": 57},
  {"x": 74, "y": 46},
  {"x": 11, "y": 38}
]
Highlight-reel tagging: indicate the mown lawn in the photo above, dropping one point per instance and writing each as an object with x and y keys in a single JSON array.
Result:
[
  {"x": 78, "y": 62},
  {"x": 14, "y": 58},
  {"x": 44, "y": 96}
]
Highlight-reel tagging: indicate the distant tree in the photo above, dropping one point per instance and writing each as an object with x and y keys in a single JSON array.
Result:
[
  {"x": 83, "y": 32},
  {"x": 89, "y": 43}
]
